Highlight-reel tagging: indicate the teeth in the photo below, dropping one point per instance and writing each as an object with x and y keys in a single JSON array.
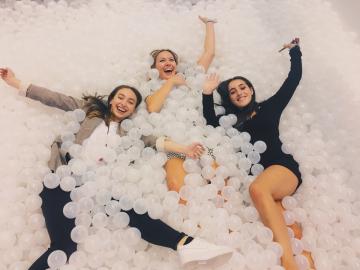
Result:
[{"x": 120, "y": 109}]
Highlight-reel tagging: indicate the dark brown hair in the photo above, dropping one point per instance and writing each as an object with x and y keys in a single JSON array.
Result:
[
  {"x": 97, "y": 106},
  {"x": 242, "y": 113}
]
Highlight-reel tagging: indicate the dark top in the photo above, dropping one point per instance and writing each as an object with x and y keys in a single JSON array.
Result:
[{"x": 264, "y": 125}]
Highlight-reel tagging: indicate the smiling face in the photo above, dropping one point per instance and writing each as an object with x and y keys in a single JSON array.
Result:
[
  {"x": 165, "y": 63},
  {"x": 123, "y": 104},
  {"x": 240, "y": 93}
]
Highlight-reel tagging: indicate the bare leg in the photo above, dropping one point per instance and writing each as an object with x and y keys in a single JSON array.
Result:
[
  {"x": 175, "y": 175},
  {"x": 273, "y": 184},
  {"x": 298, "y": 234}
]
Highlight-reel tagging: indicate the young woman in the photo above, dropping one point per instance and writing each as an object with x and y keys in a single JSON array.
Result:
[
  {"x": 281, "y": 176},
  {"x": 165, "y": 61},
  {"x": 100, "y": 117}
]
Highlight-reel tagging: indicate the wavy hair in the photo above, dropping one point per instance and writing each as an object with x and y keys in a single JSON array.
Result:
[
  {"x": 155, "y": 54},
  {"x": 98, "y": 106}
]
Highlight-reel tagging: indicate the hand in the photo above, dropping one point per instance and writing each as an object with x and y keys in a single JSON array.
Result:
[
  {"x": 207, "y": 20},
  {"x": 210, "y": 84},
  {"x": 194, "y": 150},
  {"x": 9, "y": 77},
  {"x": 292, "y": 44},
  {"x": 178, "y": 79}
]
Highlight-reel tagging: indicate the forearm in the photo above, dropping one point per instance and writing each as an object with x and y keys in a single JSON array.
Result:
[
  {"x": 209, "y": 111},
  {"x": 209, "y": 46},
  {"x": 171, "y": 146},
  {"x": 53, "y": 99},
  {"x": 164, "y": 144},
  {"x": 155, "y": 102},
  {"x": 295, "y": 73}
]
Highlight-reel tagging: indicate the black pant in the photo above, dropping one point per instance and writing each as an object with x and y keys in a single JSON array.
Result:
[{"x": 59, "y": 227}]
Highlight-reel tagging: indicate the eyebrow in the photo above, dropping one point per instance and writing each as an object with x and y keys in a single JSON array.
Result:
[
  {"x": 122, "y": 95},
  {"x": 241, "y": 84},
  {"x": 163, "y": 58}
]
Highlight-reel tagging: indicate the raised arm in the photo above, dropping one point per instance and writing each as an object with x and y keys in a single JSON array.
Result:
[
  {"x": 209, "y": 43},
  {"x": 287, "y": 90},
  {"x": 155, "y": 101},
  {"x": 45, "y": 96},
  {"x": 209, "y": 86}
]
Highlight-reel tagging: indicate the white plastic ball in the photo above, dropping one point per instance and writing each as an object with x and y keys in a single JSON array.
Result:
[{"x": 57, "y": 259}]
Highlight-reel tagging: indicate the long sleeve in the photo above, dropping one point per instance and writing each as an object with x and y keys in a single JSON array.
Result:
[
  {"x": 54, "y": 99},
  {"x": 209, "y": 111},
  {"x": 287, "y": 90}
]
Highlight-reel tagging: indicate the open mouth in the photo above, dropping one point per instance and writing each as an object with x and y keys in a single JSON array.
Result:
[
  {"x": 121, "y": 109},
  {"x": 168, "y": 71},
  {"x": 241, "y": 98}
]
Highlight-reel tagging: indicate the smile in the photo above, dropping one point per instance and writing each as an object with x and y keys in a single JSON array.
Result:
[{"x": 121, "y": 109}]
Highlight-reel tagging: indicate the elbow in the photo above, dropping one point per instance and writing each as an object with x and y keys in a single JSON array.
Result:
[
  {"x": 151, "y": 108},
  {"x": 151, "y": 105}
]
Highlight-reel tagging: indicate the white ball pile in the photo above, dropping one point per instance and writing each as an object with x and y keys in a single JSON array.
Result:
[{"x": 77, "y": 46}]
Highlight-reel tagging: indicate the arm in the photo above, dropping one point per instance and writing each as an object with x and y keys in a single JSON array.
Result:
[
  {"x": 287, "y": 90},
  {"x": 45, "y": 96},
  {"x": 194, "y": 150},
  {"x": 209, "y": 43},
  {"x": 209, "y": 86},
  {"x": 155, "y": 101},
  {"x": 163, "y": 144}
]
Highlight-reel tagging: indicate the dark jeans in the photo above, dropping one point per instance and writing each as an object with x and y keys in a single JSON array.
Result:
[{"x": 59, "y": 227}]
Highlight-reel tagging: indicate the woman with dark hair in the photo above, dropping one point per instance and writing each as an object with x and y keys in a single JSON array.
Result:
[
  {"x": 281, "y": 176},
  {"x": 105, "y": 118},
  {"x": 165, "y": 61}
]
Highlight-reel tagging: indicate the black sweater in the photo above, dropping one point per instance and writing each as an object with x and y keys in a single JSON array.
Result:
[{"x": 264, "y": 125}]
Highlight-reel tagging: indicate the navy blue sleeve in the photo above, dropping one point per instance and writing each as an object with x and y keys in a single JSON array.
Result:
[
  {"x": 282, "y": 97},
  {"x": 209, "y": 111}
]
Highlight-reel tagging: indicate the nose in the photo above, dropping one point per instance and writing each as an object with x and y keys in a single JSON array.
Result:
[{"x": 123, "y": 103}]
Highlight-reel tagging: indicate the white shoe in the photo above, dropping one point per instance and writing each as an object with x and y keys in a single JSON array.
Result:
[{"x": 201, "y": 252}]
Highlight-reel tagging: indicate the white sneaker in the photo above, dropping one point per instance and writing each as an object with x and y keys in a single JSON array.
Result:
[{"x": 201, "y": 252}]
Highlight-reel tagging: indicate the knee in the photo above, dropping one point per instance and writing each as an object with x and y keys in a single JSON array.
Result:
[
  {"x": 174, "y": 185},
  {"x": 257, "y": 192}
]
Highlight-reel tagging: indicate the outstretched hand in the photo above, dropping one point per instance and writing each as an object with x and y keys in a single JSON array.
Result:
[
  {"x": 210, "y": 84},
  {"x": 9, "y": 77},
  {"x": 292, "y": 44},
  {"x": 207, "y": 20},
  {"x": 194, "y": 150}
]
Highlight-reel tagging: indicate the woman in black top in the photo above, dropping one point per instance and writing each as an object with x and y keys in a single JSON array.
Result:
[{"x": 281, "y": 176}]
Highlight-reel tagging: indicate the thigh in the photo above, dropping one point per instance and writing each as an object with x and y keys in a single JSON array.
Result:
[
  {"x": 58, "y": 226},
  {"x": 175, "y": 173},
  {"x": 277, "y": 180}
]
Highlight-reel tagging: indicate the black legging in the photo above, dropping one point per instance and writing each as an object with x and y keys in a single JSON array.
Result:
[{"x": 59, "y": 227}]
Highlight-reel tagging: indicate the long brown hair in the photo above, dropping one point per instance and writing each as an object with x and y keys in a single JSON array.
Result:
[
  {"x": 98, "y": 106},
  {"x": 155, "y": 54}
]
